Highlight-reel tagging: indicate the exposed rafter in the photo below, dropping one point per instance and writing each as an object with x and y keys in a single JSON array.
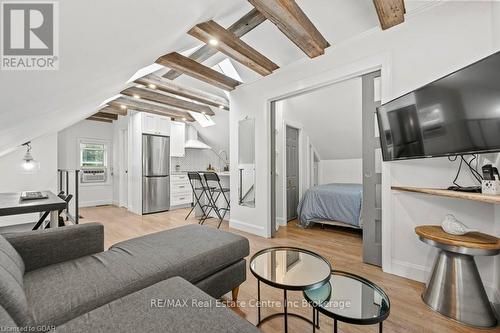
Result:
[
  {"x": 198, "y": 71},
  {"x": 159, "y": 83},
  {"x": 241, "y": 27},
  {"x": 113, "y": 110},
  {"x": 292, "y": 21},
  {"x": 150, "y": 107},
  {"x": 104, "y": 120},
  {"x": 228, "y": 43},
  {"x": 106, "y": 115},
  {"x": 164, "y": 98},
  {"x": 390, "y": 12}
]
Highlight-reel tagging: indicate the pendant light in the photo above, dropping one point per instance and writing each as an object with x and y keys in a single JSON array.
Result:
[{"x": 29, "y": 164}]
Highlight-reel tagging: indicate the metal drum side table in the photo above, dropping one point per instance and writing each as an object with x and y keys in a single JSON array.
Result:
[
  {"x": 350, "y": 298},
  {"x": 455, "y": 288},
  {"x": 288, "y": 268}
]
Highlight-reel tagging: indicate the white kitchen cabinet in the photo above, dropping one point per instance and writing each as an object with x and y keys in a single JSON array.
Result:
[
  {"x": 180, "y": 191},
  {"x": 177, "y": 138},
  {"x": 155, "y": 124},
  {"x": 163, "y": 125}
]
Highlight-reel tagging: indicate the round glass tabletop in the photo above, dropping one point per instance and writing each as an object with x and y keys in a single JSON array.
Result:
[
  {"x": 290, "y": 268},
  {"x": 351, "y": 299}
]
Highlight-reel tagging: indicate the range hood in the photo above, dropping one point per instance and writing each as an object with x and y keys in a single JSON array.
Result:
[{"x": 192, "y": 141}]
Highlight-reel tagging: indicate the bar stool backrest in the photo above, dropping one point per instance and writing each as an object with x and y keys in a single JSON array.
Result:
[
  {"x": 211, "y": 176},
  {"x": 194, "y": 176}
]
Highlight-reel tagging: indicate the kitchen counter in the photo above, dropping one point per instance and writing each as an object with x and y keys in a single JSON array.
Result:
[{"x": 220, "y": 173}]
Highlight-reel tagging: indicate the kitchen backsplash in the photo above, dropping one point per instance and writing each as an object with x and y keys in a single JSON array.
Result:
[{"x": 197, "y": 160}]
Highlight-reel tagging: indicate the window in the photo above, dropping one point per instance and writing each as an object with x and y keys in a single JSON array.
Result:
[{"x": 93, "y": 155}]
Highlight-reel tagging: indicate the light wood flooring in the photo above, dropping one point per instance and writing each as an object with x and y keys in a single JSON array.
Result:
[{"x": 341, "y": 246}]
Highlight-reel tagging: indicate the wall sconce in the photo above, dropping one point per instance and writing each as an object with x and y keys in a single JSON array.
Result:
[{"x": 29, "y": 164}]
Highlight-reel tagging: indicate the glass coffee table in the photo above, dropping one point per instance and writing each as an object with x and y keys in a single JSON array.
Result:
[
  {"x": 351, "y": 299},
  {"x": 288, "y": 268}
]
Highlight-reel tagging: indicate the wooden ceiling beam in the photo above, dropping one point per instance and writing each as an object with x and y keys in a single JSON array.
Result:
[
  {"x": 390, "y": 12},
  {"x": 151, "y": 107},
  {"x": 240, "y": 28},
  {"x": 294, "y": 23},
  {"x": 228, "y": 43},
  {"x": 113, "y": 110},
  {"x": 158, "y": 96},
  {"x": 198, "y": 71},
  {"x": 111, "y": 116},
  {"x": 104, "y": 120},
  {"x": 159, "y": 83}
]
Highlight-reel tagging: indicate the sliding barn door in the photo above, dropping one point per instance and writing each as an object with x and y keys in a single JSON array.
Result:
[{"x": 372, "y": 212}]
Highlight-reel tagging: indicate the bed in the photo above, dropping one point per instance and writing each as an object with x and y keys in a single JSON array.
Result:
[{"x": 338, "y": 204}]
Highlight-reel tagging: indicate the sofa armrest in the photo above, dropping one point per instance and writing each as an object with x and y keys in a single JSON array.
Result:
[{"x": 51, "y": 246}]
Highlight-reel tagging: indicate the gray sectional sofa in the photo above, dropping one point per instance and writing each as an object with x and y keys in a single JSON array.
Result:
[{"x": 63, "y": 280}]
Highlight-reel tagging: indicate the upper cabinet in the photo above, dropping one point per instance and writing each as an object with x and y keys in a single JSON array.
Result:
[
  {"x": 155, "y": 124},
  {"x": 177, "y": 138}
]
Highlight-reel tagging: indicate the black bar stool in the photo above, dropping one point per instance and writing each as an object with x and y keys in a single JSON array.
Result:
[
  {"x": 215, "y": 190},
  {"x": 199, "y": 190}
]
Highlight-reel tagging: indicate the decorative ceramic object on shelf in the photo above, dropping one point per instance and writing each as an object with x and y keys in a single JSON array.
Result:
[{"x": 453, "y": 226}]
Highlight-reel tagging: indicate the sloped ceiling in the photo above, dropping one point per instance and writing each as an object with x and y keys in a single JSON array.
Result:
[
  {"x": 331, "y": 117},
  {"x": 103, "y": 43}
]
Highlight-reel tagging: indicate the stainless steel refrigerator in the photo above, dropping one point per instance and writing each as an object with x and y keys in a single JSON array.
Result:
[{"x": 155, "y": 173}]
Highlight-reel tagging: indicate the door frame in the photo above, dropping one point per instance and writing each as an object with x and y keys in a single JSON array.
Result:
[
  {"x": 123, "y": 195},
  {"x": 378, "y": 62}
]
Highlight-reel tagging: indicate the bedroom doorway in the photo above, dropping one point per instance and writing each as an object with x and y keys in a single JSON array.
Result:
[
  {"x": 292, "y": 172},
  {"x": 333, "y": 181}
]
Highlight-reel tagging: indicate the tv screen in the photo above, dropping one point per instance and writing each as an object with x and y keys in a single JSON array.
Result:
[{"x": 457, "y": 114}]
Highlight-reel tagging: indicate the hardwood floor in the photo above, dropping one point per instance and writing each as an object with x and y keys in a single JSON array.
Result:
[{"x": 341, "y": 246}]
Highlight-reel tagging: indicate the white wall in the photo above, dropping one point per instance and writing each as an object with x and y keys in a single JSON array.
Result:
[
  {"x": 427, "y": 46},
  {"x": 69, "y": 158},
  {"x": 12, "y": 179},
  {"x": 341, "y": 171},
  {"x": 331, "y": 116}
]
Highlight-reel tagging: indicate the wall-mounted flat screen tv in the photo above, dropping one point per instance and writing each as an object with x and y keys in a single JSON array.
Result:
[{"x": 457, "y": 114}]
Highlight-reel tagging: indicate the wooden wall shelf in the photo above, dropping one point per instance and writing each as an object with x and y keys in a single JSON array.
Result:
[{"x": 492, "y": 199}]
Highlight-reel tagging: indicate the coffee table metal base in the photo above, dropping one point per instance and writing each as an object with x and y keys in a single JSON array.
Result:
[
  {"x": 285, "y": 313},
  {"x": 335, "y": 326}
]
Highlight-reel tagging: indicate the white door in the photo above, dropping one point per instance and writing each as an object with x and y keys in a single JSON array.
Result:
[{"x": 124, "y": 169}]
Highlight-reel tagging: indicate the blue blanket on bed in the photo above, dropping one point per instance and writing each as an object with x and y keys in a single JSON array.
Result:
[{"x": 336, "y": 202}]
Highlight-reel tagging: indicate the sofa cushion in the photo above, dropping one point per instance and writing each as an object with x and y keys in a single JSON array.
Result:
[
  {"x": 10, "y": 255},
  {"x": 173, "y": 306},
  {"x": 12, "y": 296},
  {"x": 78, "y": 286},
  {"x": 7, "y": 324},
  {"x": 192, "y": 252}
]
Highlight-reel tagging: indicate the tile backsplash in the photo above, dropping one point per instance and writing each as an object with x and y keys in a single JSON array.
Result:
[{"x": 197, "y": 160}]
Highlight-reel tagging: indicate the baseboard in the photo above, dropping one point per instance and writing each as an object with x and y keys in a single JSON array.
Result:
[
  {"x": 409, "y": 270},
  {"x": 421, "y": 273},
  {"x": 247, "y": 227},
  {"x": 96, "y": 203}
]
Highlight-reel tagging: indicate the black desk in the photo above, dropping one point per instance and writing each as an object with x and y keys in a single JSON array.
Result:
[{"x": 11, "y": 204}]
